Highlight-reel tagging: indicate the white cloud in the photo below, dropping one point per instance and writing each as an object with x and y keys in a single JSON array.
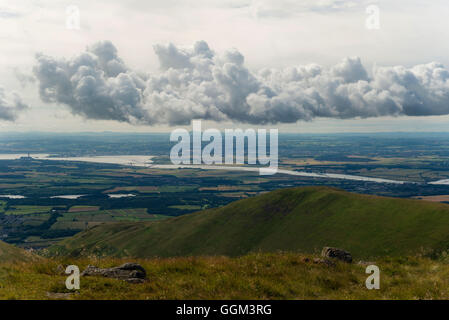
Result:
[{"x": 197, "y": 83}]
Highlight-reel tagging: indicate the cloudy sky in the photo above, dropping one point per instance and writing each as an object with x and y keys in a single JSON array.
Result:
[{"x": 300, "y": 66}]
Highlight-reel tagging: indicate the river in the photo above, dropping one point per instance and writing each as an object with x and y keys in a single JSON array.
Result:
[{"x": 145, "y": 161}]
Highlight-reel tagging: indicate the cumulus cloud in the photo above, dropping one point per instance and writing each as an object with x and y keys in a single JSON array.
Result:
[
  {"x": 10, "y": 105},
  {"x": 198, "y": 83},
  {"x": 95, "y": 84}
]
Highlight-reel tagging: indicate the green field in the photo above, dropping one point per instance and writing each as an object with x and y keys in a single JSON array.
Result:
[
  {"x": 80, "y": 220},
  {"x": 186, "y": 207},
  {"x": 19, "y": 210},
  {"x": 297, "y": 220}
]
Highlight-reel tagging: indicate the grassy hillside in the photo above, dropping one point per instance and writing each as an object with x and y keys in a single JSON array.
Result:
[
  {"x": 254, "y": 276},
  {"x": 298, "y": 220},
  {"x": 11, "y": 254}
]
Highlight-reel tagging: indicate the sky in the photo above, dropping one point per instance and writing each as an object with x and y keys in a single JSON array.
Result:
[{"x": 151, "y": 66}]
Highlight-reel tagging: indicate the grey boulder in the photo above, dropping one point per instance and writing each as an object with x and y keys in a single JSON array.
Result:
[
  {"x": 336, "y": 253},
  {"x": 130, "y": 272}
]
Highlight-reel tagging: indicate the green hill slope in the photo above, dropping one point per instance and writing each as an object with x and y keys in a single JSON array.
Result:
[
  {"x": 12, "y": 254},
  {"x": 299, "y": 219}
]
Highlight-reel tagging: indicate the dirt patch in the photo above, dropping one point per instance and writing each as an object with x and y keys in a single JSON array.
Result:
[{"x": 84, "y": 208}]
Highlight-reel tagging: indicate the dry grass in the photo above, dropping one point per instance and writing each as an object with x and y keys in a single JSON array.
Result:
[
  {"x": 255, "y": 276},
  {"x": 440, "y": 198}
]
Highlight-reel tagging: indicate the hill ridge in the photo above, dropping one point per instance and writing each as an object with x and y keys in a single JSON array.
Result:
[{"x": 300, "y": 219}]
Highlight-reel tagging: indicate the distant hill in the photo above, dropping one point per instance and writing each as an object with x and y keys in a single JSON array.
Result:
[
  {"x": 10, "y": 253},
  {"x": 298, "y": 219}
]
